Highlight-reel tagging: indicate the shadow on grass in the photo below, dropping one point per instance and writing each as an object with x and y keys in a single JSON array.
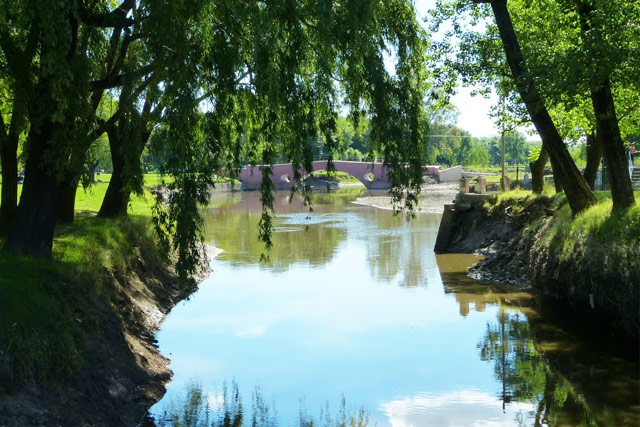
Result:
[{"x": 48, "y": 308}]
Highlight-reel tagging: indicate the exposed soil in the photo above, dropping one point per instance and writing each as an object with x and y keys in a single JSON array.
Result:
[
  {"x": 504, "y": 239},
  {"x": 513, "y": 253},
  {"x": 124, "y": 373},
  {"x": 433, "y": 197}
]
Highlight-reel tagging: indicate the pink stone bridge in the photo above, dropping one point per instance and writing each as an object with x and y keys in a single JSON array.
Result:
[{"x": 372, "y": 175}]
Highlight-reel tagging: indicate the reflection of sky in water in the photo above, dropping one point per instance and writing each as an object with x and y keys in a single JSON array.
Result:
[
  {"x": 369, "y": 319},
  {"x": 320, "y": 333},
  {"x": 464, "y": 408},
  {"x": 341, "y": 328}
]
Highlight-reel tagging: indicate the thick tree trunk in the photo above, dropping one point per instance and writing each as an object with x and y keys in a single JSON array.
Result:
[
  {"x": 537, "y": 172},
  {"x": 578, "y": 193},
  {"x": 594, "y": 155},
  {"x": 125, "y": 160},
  {"x": 116, "y": 198},
  {"x": 9, "y": 200},
  {"x": 612, "y": 147},
  {"x": 36, "y": 216}
]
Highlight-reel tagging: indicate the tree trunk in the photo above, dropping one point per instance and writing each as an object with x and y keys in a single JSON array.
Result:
[
  {"x": 594, "y": 155},
  {"x": 537, "y": 172},
  {"x": 67, "y": 200},
  {"x": 9, "y": 198},
  {"x": 93, "y": 166},
  {"x": 557, "y": 182},
  {"x": 116, "y": 199},
  {"x": 612, "y": 147},
  {"x": 126, "y": 160},
  {"x": 36, "y": 216},
  {"x": 578, "y": 193},
  {"x": 606, "y": 120}
]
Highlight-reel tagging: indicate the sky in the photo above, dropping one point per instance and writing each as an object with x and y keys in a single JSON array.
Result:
[{"x": 474, "y": 110}]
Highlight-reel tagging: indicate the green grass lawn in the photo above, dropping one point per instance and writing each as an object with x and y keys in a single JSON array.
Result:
[
  {"x": 90, "y": 199},
  {"x": 336, "y": 176},
  {"x": 46, "y": 306}
]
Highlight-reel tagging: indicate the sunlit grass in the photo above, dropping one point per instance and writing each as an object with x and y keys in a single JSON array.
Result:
[
  {"x": 518, "y": 200},
  {"x": 335, "y": 176},
  {"x": 617, "y": 234},
  {"x": 46, "y": 306}
]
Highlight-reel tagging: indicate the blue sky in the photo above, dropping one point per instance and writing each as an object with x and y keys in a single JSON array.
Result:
[{"x": 474, "y": 110}]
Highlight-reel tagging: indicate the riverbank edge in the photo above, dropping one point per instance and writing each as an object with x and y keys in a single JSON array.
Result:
[
  {"x": 513, "y": 237},
  {"x": 123, "y": 373}
]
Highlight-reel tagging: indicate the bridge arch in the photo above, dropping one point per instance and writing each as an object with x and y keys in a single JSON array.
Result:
[
  {"x": 371, "y": 175},
  {"x": 360, "y": 171}
]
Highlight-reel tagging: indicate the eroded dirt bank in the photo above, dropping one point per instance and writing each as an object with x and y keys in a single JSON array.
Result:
[
  {"x": 123, "y": 372},
  {"x": 597, "y": 281}
]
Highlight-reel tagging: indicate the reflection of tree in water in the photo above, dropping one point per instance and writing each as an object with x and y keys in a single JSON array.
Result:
[
  {"x": 545, "y": 356},
  {"x": 233, "y": 226},
  {"x": 396, "y": 246},
  {"x": 526, "y": 376},
  {"x": 518, "y": 366},
  {"x": 200, "y": 409}
]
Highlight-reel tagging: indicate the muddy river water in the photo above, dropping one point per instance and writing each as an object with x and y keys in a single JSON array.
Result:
[{"x": 353, "y": 316}]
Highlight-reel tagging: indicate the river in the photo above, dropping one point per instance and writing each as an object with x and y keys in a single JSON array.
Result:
[{"x": 353, "y": 316}]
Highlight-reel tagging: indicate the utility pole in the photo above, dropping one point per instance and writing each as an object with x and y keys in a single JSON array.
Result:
[{"x": 504, "y": 182}]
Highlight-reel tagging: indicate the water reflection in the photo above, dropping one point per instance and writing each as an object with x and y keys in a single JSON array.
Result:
[
  {"x": 395, "y": 248},
  {"x": 354, "y": 302},
  {"x": 199, "y": 408},
  {"x": 555, "y": 364},
  {"x": 470, "y": 407}
]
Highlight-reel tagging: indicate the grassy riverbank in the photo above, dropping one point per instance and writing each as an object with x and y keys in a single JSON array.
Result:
[
  {"x": 49, "y": 306},
  {"x": 78, "y": 328},
  {"x": 591, "y": 260}
]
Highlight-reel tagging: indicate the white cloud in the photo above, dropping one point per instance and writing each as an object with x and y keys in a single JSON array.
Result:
[
  {"x": 254, "y": 331},
  {"x": 468, "y": 408}
]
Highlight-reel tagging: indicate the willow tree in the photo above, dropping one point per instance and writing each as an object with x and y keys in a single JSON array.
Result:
[
  {"x": 278, "y": 76},
  {"x": 238, "y": 80},
  {"x": 70, "y": 44},
  {"x": 18, "y": 35}
]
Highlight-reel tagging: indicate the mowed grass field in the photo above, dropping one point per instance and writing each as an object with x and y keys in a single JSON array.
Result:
[{"x": 90, "y": 199}]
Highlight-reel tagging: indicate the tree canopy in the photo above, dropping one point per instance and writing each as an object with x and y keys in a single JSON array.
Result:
[
  {"x": 566, "y": 62},
  {"x": 219, "y": 83}
]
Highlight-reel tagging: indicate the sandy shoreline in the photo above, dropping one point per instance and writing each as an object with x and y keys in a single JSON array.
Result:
[{"x": 432, "y": 198}]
